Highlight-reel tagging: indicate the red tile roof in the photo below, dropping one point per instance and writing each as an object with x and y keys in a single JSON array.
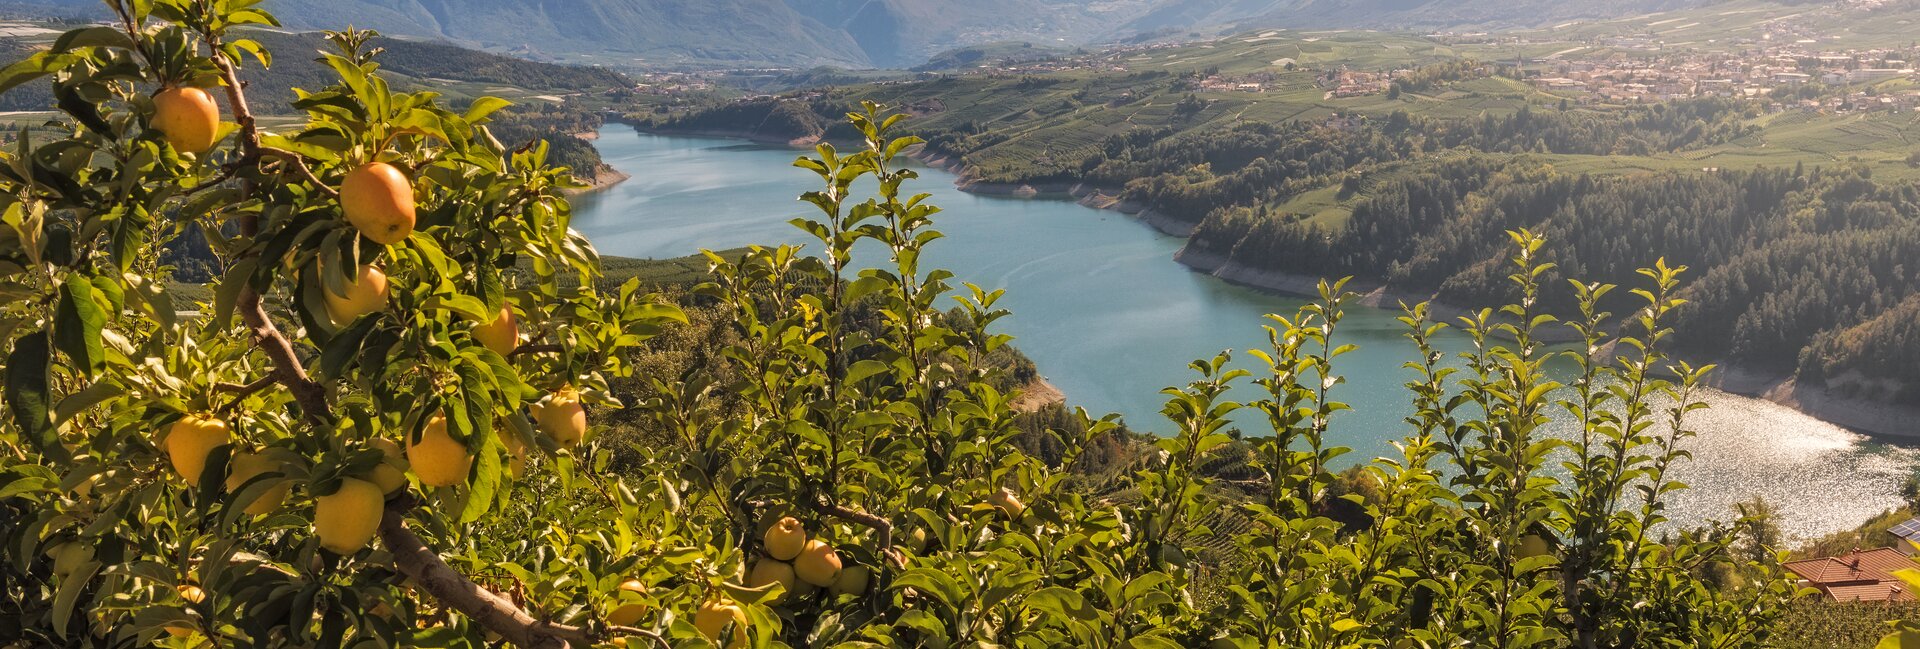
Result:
[
  {"x": 1860, "y": 575},
  {"x": 1880, "y": 592}
]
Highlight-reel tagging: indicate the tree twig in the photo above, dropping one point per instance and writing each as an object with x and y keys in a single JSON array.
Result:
[
  {"x": 535, "y": 349},
  {"x": 241, "y": 392},
  {"x": 300, "y": 165},
  {"x": 627, "y": 630}
]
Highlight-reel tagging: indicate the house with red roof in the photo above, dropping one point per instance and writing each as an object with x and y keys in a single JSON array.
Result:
[{"x": 1858, "y": 576}]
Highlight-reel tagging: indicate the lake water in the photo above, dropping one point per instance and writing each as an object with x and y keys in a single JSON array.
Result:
[{"x": 1111, "y": 319}]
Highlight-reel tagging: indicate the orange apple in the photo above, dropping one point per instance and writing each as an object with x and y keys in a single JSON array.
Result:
[
  {"x": 378, "y": 199},
  {"x": 188, "y": 118}
]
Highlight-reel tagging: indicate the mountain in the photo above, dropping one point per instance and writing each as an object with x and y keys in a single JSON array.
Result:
[
  {"x": 871, "y": 33},
  {"x": 625, "y": 33},
  {"x": 1431, "y": 14}
]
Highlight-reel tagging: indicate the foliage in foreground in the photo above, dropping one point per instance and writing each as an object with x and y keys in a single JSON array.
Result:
[{"x": 842, "y": 400}]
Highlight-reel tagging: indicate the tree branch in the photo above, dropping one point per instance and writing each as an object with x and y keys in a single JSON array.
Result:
[
  {"x": 450, "y": 587},
  {"x": 287, "y": 369},
  {"x": 879, "y": 525},
  {"x": 535, "y": 349}
]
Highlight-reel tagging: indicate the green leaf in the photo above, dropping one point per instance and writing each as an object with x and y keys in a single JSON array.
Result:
[
  {"x": 71, "y": 587},
  {"x": 28, "y": 395},
  {"x": 484, "y": 106},
  {"x": 78, "y": 320},
  {"x": 931, "y": 582},
  {"x": 96, "y": 36},
  {"x": 1061, "y": 602},
  {"x": 34, "y": 67},
  {"x": 486, "y": 481}
]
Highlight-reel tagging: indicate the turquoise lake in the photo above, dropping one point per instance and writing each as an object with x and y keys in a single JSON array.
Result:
[{"x": 1111, "y": 319}]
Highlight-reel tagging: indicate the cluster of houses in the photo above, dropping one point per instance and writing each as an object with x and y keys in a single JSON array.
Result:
[
  {"x": 1349, "y": 83},
  {"x": 671, "y": 84},
  {"x": 1753, "y": 73},
  {"x": 1863, "y": 575},
  {"x": 1256, "y": 82}
]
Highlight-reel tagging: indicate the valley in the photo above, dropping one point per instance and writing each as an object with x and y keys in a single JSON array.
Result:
[
  {"x": 1255, "y": 149},
  {"x": 907, "y": 323}
]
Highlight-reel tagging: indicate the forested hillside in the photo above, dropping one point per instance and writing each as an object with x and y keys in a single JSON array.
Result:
[
  {"x": 1795, "y": 264},
  {"x": 1784, "y": 260}
]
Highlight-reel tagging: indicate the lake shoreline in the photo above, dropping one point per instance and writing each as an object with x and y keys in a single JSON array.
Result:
[
  {"x": 1879, "y": 420},
  {"x": 604, "y": 177}
]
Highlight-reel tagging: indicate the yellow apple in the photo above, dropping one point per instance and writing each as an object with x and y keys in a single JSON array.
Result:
[
  {"x": 437, "y": 458},
  {"x": 248, "y": 465},
  {"x": 502, "y": 335},
  {"x": 1533, "y": 545},
  {"x": 189, "y": 441},
  {"x": 852, "y": 581},
  {"x": 516, "y": 449},
  {"x": 769, "y": 571},
  {"x": 714, "y": 616},
  {"x": 68, "y": 556},
  {"x": 562, "y": 417},
  {"x": 629, "y": 613},
  {"x": 366, "y": 294},
  {"x": 785, "y": 539},
  {"x": 346, "y": 520},
  {"x": 391, "y": 474},
  {"x": 1008, "y": 503}
]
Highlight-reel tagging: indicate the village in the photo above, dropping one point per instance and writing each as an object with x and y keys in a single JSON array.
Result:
[{"x": 1789, "y": 77}]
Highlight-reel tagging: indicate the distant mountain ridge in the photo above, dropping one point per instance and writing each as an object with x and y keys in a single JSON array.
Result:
[
  {"x": 1437, "y": 14},
  {"x": 876, "y": 33}
]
